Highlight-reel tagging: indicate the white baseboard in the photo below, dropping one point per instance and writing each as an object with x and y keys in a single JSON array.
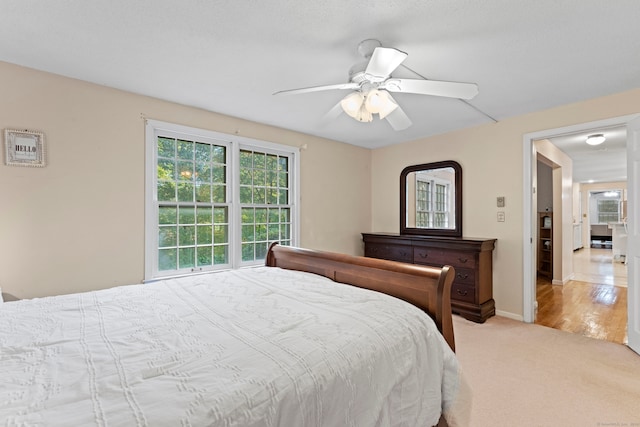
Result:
[{"x": 509, "y": 315}]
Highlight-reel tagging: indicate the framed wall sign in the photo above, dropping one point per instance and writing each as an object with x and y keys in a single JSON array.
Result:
[{"x": 24, "y": 148}]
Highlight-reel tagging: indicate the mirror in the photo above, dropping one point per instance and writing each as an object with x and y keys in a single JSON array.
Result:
[{"x": 431, "y": 199}]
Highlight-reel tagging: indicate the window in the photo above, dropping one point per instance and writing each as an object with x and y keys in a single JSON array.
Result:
[
  {"x": 264, "y": 202},
  {"x": 215, "y": 201},
  {"x": 608, "y": 210}
]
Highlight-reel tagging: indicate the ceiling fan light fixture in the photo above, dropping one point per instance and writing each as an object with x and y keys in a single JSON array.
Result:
[
  {"x": 352, "y": 104},
  {"x": 389, "y": 106},
  {"x": 595, "y": 139},
  {"x": 376, "y": 100},
  {"x": 364, "y": 115}
]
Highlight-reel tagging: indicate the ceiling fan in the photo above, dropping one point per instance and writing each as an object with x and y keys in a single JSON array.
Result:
[{"x": 371, "y": 83}]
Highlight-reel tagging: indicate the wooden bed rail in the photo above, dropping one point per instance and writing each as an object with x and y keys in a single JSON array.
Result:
[{"x": 428, "y": 288}]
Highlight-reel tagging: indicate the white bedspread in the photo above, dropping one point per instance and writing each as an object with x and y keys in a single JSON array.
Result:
[{"x": 252, "y": 347}]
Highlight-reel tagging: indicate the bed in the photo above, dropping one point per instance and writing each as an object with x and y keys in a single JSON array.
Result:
[{"x": 265, "y": 346}]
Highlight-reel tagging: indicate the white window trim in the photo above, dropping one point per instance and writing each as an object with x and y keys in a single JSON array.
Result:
[{"x": 234, "y": 143}]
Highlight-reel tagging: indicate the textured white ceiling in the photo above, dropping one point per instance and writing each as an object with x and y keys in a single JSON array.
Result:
[
  {"x": 600, "y": 163},
  {"x": 231, "y": 56}
]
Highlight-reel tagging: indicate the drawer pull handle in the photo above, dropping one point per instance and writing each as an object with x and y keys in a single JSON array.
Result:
[
  {"x": 423, "y": 255},
  {"x": 463, "y": 260},
  {"x": 462, "y": 293},
  {"x": 462, "y": 276},
  {"x": 403, "y": 253}
]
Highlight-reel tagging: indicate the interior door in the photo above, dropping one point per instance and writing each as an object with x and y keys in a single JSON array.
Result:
[{"x": 633, "y": 233}]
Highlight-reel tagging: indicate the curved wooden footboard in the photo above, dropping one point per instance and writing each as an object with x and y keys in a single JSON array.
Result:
[{"x": 428, "y": 288}]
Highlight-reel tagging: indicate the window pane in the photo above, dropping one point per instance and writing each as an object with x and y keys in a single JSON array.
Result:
[
  {"x": 219, "y": 154},
  {"x": 285, "y": 233},
  {"x": 274, "y": 215},
  {"x": 167, "y": 215},
  {"x": 283, "y": 164},
  {"x": 219, "y": 193},
  {"x": 187, "y": 235},
  {"x": 185, "y": 192},
  {"x": 166, "y": 169},
  {"x": 205, "y": 256},
  {"x": 167, "y": 259},
  {"x": 246, "y": 178},
  {"x": 205, "y": 215},
  {"x": 261, "y": 250},
  {"x": 186, "y": 257},
  {"x": 247, "y": 233},
  {"x": 246, "y": 159},
  {"x": 220, "y": 215},
  {"x": 259, "y": 177},
  {"x": 220, "y": 234},
  {"x": 186, "y": 215},
  {"x": 167, "y": 237},
  {"x": 274, "y": 232},
  {"x": 259, "y": 160},
  {"x": 185, "y": 171},
  {"x": 261, "y": 215},
  {"x": 166, "y": 191},
  {"x": 203, "y": 152},
  {"x": 248, "y": 215},
  {"x": 272, "y": 196},
  {"x": 261, "y": 232},
  {"x": 203, "y": 172},
  {"x": 272, "y": 162},
  {"x": 166, "y": 147},
  {"x": 205, "y": 236},
  {"x": 220, "y": 254},
  {"x": 203, "y": 193},
  {"x": 246, "y": 195},
  {"x": 259, "y": 195},
  {"x": 247, "y": 252},
  {"x": 185, "y": 149},
  {"x": 283, "y": 197}
]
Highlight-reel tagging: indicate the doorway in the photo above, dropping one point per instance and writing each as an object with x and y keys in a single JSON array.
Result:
[{"x": 632, "y": 123}]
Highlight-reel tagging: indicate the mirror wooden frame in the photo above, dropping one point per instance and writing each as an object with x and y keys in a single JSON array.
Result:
[{"x": 456, "y": 231}]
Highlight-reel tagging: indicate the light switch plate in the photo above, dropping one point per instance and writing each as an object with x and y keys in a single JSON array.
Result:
[{"x": 500, "y": 201}]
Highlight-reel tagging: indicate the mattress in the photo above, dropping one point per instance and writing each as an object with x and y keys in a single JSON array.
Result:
[{"x": 251, "y": 347}]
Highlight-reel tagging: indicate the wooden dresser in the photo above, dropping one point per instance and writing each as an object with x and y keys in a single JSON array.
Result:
[{"x": 472, "y": 259}]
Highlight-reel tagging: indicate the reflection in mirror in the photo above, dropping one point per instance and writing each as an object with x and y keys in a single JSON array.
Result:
[
  {"x": 430, "y": 196},
  {"x": 431, "y": 199}
]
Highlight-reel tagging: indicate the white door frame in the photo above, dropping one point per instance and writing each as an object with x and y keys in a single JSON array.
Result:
[
  {"x": 529, "y": 216},
  {"x": 633, "y": 234}
]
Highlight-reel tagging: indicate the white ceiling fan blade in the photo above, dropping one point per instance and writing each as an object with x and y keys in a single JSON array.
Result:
[
  {"x": 342, "y": 86},
  {"x": 382, "y": 63},
  {"x": 398, "y": 119},
  {"x": 432, "y": 87},
  {"x": 332, "y": 114}
]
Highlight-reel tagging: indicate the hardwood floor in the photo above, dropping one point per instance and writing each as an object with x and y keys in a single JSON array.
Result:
[{"x": 595, "y": 305}]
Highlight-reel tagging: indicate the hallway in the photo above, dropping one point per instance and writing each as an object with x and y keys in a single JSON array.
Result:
[{"x": 594, "y": 304}]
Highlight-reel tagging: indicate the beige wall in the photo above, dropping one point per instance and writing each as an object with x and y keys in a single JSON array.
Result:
[
  {"x": 78, "y": 223},
  {"x": 491, "y": 157}
]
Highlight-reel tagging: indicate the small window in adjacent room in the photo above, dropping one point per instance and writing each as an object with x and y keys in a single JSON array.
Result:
[{"x": 215, "y": 201}]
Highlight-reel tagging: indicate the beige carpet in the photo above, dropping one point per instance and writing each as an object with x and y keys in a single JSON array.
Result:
[{"x": 529, "y": 375}]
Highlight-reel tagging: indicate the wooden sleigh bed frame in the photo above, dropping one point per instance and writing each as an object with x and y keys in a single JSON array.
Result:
[{"x": 428, "y": 288}]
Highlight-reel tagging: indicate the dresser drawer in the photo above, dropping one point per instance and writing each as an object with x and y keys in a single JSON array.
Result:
[
  {"x": 434, "y": 256},
  {"x": 391, "y": 252},
  {"x": 462, "y": 292},
  {"x": 459, "y": 259},
  {"x": 465, "y": 275},
  {"x": 429, "y": 256}
]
